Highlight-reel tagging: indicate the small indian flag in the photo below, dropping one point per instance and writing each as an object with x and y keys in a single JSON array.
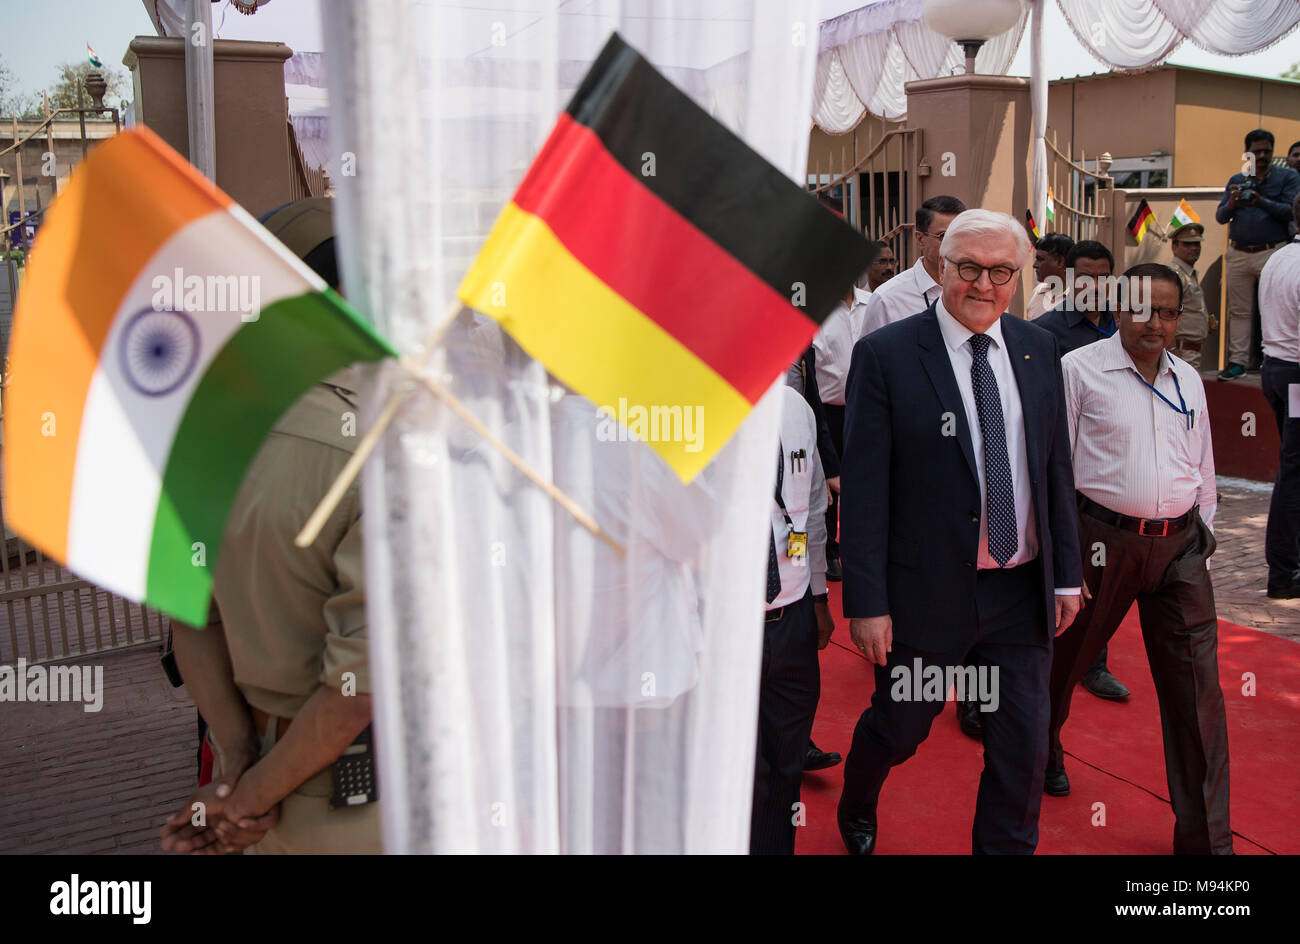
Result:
[
  {"x": 94, "y": 59},
  {"x": 1049, "y": 212},
  {"x": 1183, "y": 214},
  {"x": 160, "y": 333}
]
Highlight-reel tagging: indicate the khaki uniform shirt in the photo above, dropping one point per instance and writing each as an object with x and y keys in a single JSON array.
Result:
[
  {"x": 295, "y": 617},
  {"x": 1195, "y": 323}
]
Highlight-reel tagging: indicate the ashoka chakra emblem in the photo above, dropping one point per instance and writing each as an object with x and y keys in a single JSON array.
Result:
[{"x": 159, "y": 351}]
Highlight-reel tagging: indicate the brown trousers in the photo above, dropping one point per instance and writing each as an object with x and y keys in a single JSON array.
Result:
[{"x": 1168, "y": 579}]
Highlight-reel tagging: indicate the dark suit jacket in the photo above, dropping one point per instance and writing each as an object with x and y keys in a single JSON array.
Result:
[
  {"x": 1072, "y": 328},
  {"x": 910, "y": 501}
]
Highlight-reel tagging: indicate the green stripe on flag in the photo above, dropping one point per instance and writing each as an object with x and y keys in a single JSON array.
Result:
[{"x": 264, "y": 367}]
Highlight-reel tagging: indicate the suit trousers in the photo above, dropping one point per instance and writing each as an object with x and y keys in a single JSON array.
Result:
[
  {"x": 835, "y": 422},
  {"x": 1282, "y": 538},
  {"x": 1168, "y": 579},
  {"x": 788, "y": 691},
  {"x": 1009, "y": 636}
]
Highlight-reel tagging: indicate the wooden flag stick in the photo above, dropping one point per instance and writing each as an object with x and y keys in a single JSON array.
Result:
[
  {"x": 472, "y": 421},
  {"x": 312, "y": 529}
]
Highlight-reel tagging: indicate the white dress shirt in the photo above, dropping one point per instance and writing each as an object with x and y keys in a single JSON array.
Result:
[
  {"x": 1279, "y": 304},
  {"x": 834, "y": 346},
  {"x": 901, "y": 297},
  {"x": 863, "y": 295},
  {"x": 1133, "y": 452},
  {"x": 803, "y": 489},
  {"x": 956, "y": 337},
  {"x": 1042, "y": 300}
]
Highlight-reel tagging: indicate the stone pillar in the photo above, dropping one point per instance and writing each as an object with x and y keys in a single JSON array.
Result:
[
  {"x": 251, "y": 115},
  {"x": 976, "y": 135}
]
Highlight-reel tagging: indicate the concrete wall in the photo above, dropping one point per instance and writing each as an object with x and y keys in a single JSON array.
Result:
[
  {"x": 1214, "y": 114},
  {"x": 251, "y": 115},
  {"x": 1127, "y": 115},
  {"x": 1162, "y": 201}
]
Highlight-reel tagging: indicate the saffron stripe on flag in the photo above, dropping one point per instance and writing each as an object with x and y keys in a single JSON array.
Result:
[
  {"x": 716, "y": 181},
  {"x": 713, "y": 305},
  {"x": 75, "y": 283},
  {"x": 567, "y": 318}
]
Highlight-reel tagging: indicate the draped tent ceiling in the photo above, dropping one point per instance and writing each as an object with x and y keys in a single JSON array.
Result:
[{"x": 865, "y": 55}]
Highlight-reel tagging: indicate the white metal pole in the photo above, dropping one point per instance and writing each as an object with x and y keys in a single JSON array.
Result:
[
  {"x": 199, "y": 86},
  {"x": 1038, "y": 102}
]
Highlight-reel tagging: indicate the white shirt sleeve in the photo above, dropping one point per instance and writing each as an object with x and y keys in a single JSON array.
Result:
[{"x": 1207, "y": 496}]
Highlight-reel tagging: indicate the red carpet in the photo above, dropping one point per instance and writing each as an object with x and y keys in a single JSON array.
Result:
[{"x": 1113, "y": 754}]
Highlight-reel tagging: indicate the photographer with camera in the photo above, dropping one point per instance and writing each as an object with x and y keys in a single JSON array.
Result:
[{"x": 1257, "y": 207}]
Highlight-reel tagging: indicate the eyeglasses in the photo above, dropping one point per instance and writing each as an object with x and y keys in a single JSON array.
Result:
[
  {"x": 970, "y": 272},
  {"x": 938, "y": 235},
  {"x": 1164, "y": 314}
]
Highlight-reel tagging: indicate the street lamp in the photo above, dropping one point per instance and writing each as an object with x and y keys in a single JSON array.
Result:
[{"x": 971, "y": 22}]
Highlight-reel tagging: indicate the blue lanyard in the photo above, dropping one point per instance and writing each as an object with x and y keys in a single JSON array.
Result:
[{"x": 1181, "y": 410}]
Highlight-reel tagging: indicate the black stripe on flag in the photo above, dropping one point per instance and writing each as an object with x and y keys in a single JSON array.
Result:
[{"x": 717, "y": 182}]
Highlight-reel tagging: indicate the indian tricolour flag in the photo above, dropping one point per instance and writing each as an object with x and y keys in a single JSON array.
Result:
[
  {"x": 1049, "y": 211},
  {"x": 1183, "y": 214},
  {"x": 159, "y": 334}
]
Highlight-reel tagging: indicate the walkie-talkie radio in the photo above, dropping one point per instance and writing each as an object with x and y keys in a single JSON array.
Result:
[{"x": 354, "y": 774}]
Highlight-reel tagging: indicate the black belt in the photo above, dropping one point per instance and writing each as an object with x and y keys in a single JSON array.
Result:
[
  {"x": 1277, "y": 360},
  {"x": 1147, "y": 527},
  {"x": 1257, "y": 247}
]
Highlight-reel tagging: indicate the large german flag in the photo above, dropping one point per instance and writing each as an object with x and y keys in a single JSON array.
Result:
[{"x": 651, "y": 258}]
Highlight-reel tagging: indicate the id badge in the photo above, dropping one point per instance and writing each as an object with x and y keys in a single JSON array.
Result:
[{"x": 796, "y": 545}]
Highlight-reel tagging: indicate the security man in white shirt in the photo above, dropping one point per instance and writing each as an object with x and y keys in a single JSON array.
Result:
[
  {"x": 798, "y": 623},
  {"x": 1144, "y": 471},
  {"x": 834, "y": 346},
  {"x": 1279, "y": 317},
  {"x": 915, "y": 290}
]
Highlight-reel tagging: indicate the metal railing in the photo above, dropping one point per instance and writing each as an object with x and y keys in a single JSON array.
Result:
[
  {"x": 880, "y": 191},
  {"x": 48, "y": 614},
  {"x": 1084, "y": 198}
]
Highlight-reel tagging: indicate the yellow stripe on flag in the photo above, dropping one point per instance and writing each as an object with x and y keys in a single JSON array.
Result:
[
  {"x": 595, "y": 341},
  {"x": 96, "y": 240}
]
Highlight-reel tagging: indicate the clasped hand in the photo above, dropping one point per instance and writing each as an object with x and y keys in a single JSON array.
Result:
[{"x": 216, "y": 820}]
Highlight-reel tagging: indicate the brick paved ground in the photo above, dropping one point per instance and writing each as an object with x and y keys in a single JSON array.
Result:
[{"x": 71, "y": 781}]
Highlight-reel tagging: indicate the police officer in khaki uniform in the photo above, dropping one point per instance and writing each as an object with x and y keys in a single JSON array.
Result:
[
  {"x": 281, "y": 674},
  {"x": 1185, "y": 242}
]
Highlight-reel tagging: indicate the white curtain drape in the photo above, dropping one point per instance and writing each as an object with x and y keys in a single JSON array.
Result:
[
  {"x": 869, "y": 54},
  {"x": 534, "y": 690},
  {"x": 1137, "y": 34}
]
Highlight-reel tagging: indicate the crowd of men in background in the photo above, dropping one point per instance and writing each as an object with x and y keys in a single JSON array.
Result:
[{"x": 1129, "y": 410}]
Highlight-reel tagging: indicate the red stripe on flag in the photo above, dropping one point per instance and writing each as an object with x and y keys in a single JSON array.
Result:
[{"x": 652, "y": 256}]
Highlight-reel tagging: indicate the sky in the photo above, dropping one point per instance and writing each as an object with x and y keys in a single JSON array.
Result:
[{"x": 33, "y": 51}]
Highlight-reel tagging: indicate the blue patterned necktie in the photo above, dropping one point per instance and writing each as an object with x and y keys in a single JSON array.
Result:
[{"x": 1000, "y": 497}]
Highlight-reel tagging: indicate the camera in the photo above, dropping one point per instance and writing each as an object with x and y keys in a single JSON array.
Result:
[{"x": 1247, "y": 194}]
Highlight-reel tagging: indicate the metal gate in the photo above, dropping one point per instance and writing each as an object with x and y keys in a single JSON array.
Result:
[{"x": 48, "y": 614}]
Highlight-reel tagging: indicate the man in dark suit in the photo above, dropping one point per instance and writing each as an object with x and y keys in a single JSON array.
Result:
[{"x": 960, "y": 531}]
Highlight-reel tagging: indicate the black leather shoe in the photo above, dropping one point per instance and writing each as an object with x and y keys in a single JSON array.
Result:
[
  {"x": 1104, "y": 685},
  {"x": 1056, "y": 783},
  {"x": 858, "y": 832},
  {"x": 817, "y": 759},
  {"x": 1286, "y": 592},
  {"x": 833, "y": 571},
  {"x": 968, "y": 716}
]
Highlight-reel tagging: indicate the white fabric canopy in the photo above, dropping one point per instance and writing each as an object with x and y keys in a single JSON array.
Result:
[{"x": 535, "y": 691}]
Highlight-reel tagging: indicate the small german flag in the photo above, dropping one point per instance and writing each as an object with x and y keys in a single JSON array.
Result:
[
  {"x": 1033, "y": 227},
  {"x": 1141, "y": 221},
  {"x": 651, "y": 257}
]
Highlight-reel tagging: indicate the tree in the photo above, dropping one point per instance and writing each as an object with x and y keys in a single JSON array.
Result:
[
  {"x": 1293, "y": 72},
  {"x": 63, "y": 93},
  {"x": 12, "y": 102}
]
